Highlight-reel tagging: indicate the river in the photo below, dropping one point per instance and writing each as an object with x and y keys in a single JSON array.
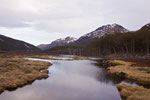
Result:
[{"x": 69, "y": 80}]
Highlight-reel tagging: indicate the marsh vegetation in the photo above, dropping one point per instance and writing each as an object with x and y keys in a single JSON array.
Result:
[
  {"x": 16, "y": 71},
  {"x": 132, "y": 71}
]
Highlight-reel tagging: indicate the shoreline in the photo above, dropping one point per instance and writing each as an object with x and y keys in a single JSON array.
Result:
[
  {"x": 17, "y": 72},
  {"x": 131, "y": 71}
]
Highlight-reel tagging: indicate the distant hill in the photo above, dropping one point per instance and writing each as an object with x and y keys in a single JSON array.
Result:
[
  {"x": 147, "y": 26},
  {"x": 116, "y": 43},
  {"x": 100, "y": 32},
  {"x": 87, "y": 38},
  {"x": 58, "y": 42},
  {"x": 43, "y": 46},
  {"x": 10, "y": 44}
]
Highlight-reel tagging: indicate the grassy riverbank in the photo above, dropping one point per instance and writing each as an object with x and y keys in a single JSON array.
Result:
[
  {"x": 137, "y": 71},
  {"x": 16, "y": 71},
  {"x": 129, "y": 92},
  {"x": 131, "y": 72}
]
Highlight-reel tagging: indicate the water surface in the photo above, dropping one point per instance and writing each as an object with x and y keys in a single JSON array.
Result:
[{"x": 69, "y": 80}]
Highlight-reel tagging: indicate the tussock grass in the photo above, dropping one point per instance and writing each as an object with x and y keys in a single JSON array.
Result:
[
  {"x": 38, "y": 56},
  {"x": 16, "y": 71},
  {"x": 136, "y": 74},
  {"x": 148, "y": 71},
  {"x": 129, "y": 92}
]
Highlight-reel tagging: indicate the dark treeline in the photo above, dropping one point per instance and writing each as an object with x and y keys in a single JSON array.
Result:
[
  {"x": 118, "y": 43},
  {"x": 68, "y": 49},
  {"x": 131, "y": 42}
]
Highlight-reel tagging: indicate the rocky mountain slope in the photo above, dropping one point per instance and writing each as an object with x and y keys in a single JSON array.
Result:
[
  {"x": 9, "y": 44},
  {"x": 147, "y": 26},
  {"x": 58, "y": 42},
  {"x": 118, "y": 44},
  {"x": 100, "y": 32},
  {"x": 87, "y": 38}
]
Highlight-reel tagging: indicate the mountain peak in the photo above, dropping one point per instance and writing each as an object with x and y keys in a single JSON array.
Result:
[
  {"x": 146, "y": 26},
  {"x": 58, "y": 42},
  {"x": 116, "y": 25},
  {"x": 70, "y": 39},
  {"x": 94, "y": 35},
  {"x": 67, "y": 39},
  {"x": 106, "y": 29}
]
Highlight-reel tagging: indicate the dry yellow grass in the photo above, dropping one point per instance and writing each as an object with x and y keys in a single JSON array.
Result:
[
  {"x": 129, "y": 72},
  {"x": 38, "y": 56},
  {"x": 132, "y": 73},
  {"x": 129, "y": 92},
  {"x": 16, "y": 71}
]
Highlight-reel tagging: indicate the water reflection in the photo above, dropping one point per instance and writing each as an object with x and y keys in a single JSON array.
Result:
[
  {"x": 69, "y": 80},
  {"x": 103, "y": 77}
]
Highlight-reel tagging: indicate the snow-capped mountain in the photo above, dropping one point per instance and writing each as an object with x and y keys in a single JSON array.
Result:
[
  {"x": 146, "y": 26},
  {"x": 94, "y": 35},
  {"x": 65, "y": 40},
  {"x": 104, "y": 30},
  {"x": 101, "y": 31},
  {"x": 58, "y": 42}
]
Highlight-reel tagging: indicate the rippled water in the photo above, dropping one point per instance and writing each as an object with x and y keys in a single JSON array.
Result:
[{"x": 69, "y": 80}]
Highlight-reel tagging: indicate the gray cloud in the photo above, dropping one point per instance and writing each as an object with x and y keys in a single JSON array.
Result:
[
  {"x": 65, "y": 15},
  {"x": 16, "y": 13},
  {"x": 75, "y": 17}
]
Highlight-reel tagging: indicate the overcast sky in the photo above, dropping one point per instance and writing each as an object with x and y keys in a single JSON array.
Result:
[{"x": 42, "y": 21}]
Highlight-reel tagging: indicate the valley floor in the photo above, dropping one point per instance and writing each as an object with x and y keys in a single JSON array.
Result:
[{"x": 15, "y": 71}]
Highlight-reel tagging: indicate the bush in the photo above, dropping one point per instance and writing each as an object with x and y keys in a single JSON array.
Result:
[
  {"x": 141, "y": 69},
  {"x": 148, "y": 71}
]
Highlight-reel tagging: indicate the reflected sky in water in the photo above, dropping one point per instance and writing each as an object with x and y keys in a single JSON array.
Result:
[{"x": 69, "y": 80}]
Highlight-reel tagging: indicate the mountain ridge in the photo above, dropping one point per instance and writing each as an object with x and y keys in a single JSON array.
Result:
[
  {"x": 58, "y": 42},
  {"x": 146, "y": 26},
  {"x": 100, "y": 32},
  {"x": 116, "y": 44},
  {"x": 10, "y": 44},
  {"x": 91, "y": 36}
]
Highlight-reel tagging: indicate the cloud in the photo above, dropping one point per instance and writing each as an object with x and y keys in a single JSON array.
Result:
[
  {"x": 54, "y": 15},
  {"x": 17, "y": 13},
  {"x": 72, "y": 17}
]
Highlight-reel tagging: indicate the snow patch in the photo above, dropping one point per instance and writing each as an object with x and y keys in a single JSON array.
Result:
[{"x": 26, "y": 45}]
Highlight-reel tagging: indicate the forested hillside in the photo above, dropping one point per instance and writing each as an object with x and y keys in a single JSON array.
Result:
[
  {"x": 10, "y": 44},
  {"x": 132, "y": 43}
]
